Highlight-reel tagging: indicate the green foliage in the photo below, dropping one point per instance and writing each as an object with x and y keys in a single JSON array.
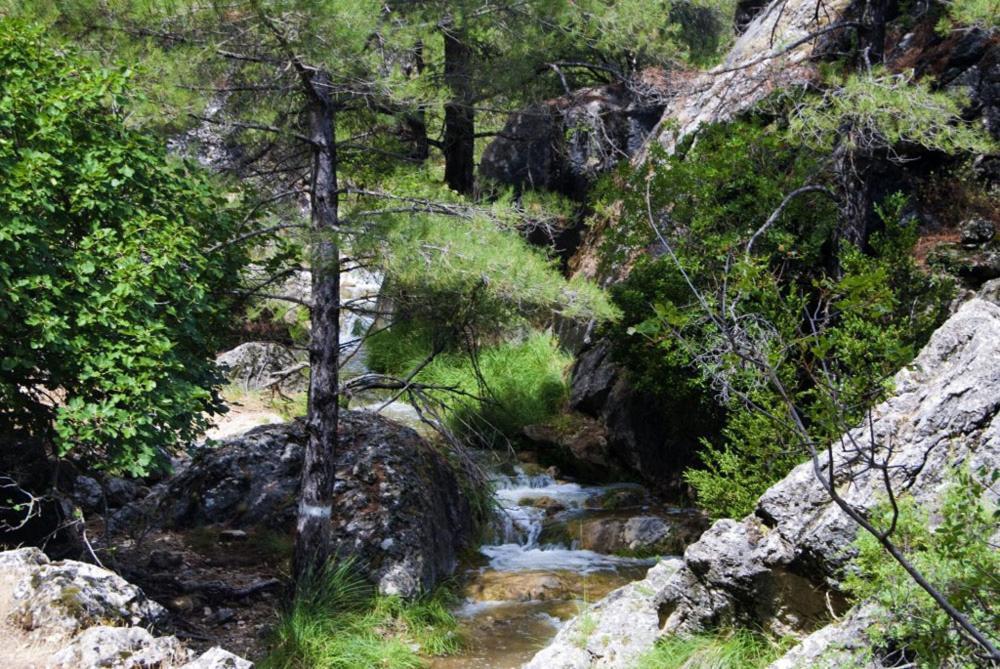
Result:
[
  {"x": 737, "y": 649},
  {"x": 336, "y": 621},
  {"x": 983, "y": 14},
  {"x": 473, "y": 273},
  {"x": 110, "y": 308},
  {"x": 956, "y": 556},
  {"x": 708, "y": 199},
  {"x": 518, "y": 382},
  {"x": 883, "y": 111}
]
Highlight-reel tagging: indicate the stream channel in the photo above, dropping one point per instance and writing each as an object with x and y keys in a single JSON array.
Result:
[{"x": 557, "y": 544}]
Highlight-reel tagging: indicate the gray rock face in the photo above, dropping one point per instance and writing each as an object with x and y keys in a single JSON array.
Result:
[
  {"x": 777, "y": 567},
  {"x": 612, "y": 633},
  {"x": 839, "y": 644},
  {"x": 62, "y": 598},
  {"x": 120, "y": 648},
  {"x": 255, "y": 365},
  {"x": 564, "y": 144},
  {"x": 399, "y": 505},
  {"x": 90, "y": 618},
  {"x": 640, "y": 436},
  {"x": 747, "y": 76}
]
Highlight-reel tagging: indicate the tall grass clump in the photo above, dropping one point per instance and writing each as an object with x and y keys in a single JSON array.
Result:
[
  {"x": 337, "y": 621},
  {"x": 501, "y": 387},
  {"x": 736, "y": 649}
]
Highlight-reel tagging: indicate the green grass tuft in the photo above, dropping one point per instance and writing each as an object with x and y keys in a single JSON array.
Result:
[
  {"x": 737, "y": 649},
  {"x": 337, "y": 621},
  {"x": 523, "y": 381}
]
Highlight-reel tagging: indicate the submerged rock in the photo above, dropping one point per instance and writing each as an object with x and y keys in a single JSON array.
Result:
[
  {"x": 780, "y": 568},
  {"x": 399, "y": 505}
]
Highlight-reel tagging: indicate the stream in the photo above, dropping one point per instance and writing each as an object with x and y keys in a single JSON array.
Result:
[{"x": 534, "y": 575}]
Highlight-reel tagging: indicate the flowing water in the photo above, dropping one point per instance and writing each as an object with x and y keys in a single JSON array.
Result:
[{"x": 526, "y": 583}]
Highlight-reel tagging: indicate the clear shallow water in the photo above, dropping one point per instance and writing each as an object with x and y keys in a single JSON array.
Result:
[{"x": 527, "y": 589}]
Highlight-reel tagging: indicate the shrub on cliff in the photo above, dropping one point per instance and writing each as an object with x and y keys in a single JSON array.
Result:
[{"x": 110, "y": 308}]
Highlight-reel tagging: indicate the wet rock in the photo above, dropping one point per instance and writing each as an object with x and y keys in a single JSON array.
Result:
[
  {"x": 255, "y": 365},
  {"x": 619, "y": 498},
  {"x": 613, "y": 632},
  {"x": 536, "y": 586},
  {"x": 977, "y": 231},
  {"x": 390, "y": 485},
  {"x": 645, "y": 535},
  {"x": 579, "y": 444},
  {"x": 120, "y": 648},
  {"x": 549, "y": 505}
]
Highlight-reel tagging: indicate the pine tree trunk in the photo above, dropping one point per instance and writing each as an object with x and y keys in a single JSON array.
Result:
[
  {"x": 312, "y": 542},
  {"x": 459, "y": 117}
]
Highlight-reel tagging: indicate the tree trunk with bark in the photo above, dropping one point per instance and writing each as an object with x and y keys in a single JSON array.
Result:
[
  {"x": 312, "y": 542},
  {"x": 459, "y": 118}
]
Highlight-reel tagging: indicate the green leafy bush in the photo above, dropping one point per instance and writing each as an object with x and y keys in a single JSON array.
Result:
[
  {"x": 336, "y": 621},
  {"x": 709, "y": 199},
  {"x": 110, "y": 308},
  {"x": 956, "y": 556}
]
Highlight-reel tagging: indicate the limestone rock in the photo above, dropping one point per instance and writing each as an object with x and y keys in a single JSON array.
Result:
[
  {"x": 61, "y": 598},
  {"x": 840, "y": 644},
  {"x": 781, "y": 566},
  {"x": 217, "y": 658},
  {"x": 612, "y": 633},
  {"x": 747, "y": 76},
  {"x": 120, "y": 648},
  {"x": 390, "y": 485}
]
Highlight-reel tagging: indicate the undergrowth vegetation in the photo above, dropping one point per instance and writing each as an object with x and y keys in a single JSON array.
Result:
[
  {"x": 953, "y": 549},
  {"x": 337, "y": 621},
  {"x": 493, "y": 391},
  {"x": 736, "y": 649},
  {"x": 876, "y": 307}
]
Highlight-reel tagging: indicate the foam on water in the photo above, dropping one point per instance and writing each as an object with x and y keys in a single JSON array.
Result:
[{"x": 515, "y": 557}]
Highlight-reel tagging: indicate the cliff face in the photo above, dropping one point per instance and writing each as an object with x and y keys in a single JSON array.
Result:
[{"x": 780, "y": 567}]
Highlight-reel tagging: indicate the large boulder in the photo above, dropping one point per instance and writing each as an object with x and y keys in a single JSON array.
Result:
[
  {"x": 564, "y": 144},
  {"x": 781, "y": 567},
  {"x": 74, "y": 615},
  {"x": 399, "y": 505}
]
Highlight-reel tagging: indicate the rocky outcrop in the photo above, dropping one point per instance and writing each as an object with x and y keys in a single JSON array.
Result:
[
  {"x": 73, "y": 615},
  {"x": 781, "y": 566},
  {"x": 759, "y": 63},
  {"x": 640, "y": 436},
  {"x": 615, "y": 631},
  {"x": 564, "y": 144},
  {"x": 399, "y": 506}
]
